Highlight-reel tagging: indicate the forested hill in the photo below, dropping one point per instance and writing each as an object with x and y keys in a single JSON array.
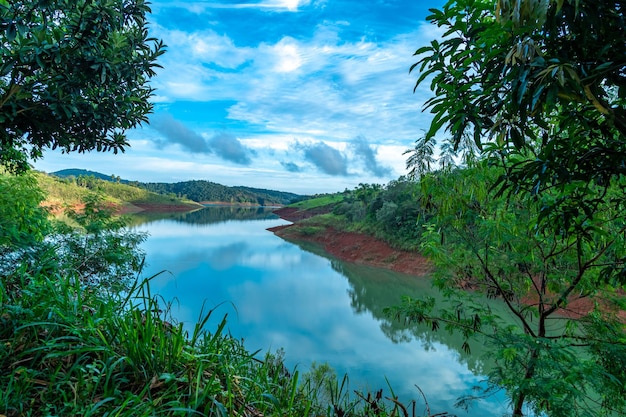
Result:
[
  {"x": 200, "y": 190},
  {"x": 204, "y": 191},
  {"x": 75, "y": 172}
]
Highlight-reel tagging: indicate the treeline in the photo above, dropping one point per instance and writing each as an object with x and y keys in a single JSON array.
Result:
[
  {"x": 196, "y": 190},
  {"x": 71, "y": 190},
  {"x": 387, "y": 212},
  {"x": 201, "y": 190}
]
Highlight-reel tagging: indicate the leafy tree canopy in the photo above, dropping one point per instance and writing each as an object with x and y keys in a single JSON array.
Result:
[
  {"x": 73, "y": 75},
  {"x": 544, "y": 79}
]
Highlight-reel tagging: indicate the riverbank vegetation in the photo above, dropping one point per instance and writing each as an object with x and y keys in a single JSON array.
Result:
[
  {"x": 531, "y": 96},
  {"x": 62, "y": 193},
  {"x": 563, "y": 342}
]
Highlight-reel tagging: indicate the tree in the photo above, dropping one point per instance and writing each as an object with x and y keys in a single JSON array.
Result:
[
  {"x": 540, "y": 87},
  {"x": 540, "y": 83},
  {"x": 420, "y": 158},
  {"x": 73, "y": 75},
  {"x": 557, "y": 343}
]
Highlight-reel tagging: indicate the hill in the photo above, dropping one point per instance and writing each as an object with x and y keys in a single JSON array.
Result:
[
  {"x": 207, "y": 191},
  {"x": 71, "y": 191},
  {"x": 198, "y": 190}
]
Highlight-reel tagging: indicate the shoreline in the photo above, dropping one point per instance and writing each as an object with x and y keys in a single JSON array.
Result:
[{"x": 358, "y": 248}]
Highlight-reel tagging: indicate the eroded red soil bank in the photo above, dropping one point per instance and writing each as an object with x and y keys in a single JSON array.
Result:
[
  {"x": 352, "y": 247},
  {"x": 364, "y": 249}
]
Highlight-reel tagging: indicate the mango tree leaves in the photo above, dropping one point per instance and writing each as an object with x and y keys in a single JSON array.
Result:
[
  {"x": 73, "y": 75},
  {"x": 546, "y": 78}
]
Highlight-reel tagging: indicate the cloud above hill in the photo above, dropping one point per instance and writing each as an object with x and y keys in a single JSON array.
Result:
[{"x": 223, "y": 145}]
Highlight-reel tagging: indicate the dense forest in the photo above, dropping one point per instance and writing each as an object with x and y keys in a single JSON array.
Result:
[
  {"x": 206, "y": 191},
  {"x": 198, "y": 190}
]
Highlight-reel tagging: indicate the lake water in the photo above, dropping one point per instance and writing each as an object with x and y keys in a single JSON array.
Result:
[{"x": 318, "y": 309}]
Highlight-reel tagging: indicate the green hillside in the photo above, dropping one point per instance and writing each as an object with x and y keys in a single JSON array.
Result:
[
  {"x": 197, "y": 190},
  {"x": 200, "y": 190},
  {"x": 75, "y": 172},
  {"x": 72, "y": 190}
]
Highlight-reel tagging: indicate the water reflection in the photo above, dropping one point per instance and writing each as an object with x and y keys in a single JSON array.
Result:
[
  {"x": 208, "y": 215},
  {"x": 278, "y": 295}
]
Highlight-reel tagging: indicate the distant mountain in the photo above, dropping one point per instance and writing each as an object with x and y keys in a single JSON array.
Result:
[{"x": 199, "y": 190}]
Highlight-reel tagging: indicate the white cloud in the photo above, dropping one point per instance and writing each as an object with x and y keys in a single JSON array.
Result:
[
  {"x": 274, "y": 5},
  {"x": 291, "y": 5},
  {"x": 288, "y": 56},
  {"x": 320, "y": 87}
]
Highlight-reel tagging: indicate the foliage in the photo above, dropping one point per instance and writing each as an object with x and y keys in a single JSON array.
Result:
[
  {"x": 388, "y": 212},
  {"x": 62, "y": 192},
  {"x": 535, "y": 88},
  {"x": 324, "y": 200},
  {"x": 73, "y": 75},
  {"x": 559, "y": 289},
  {"x": 421, "y": 160},
  {"x": 198, "y": 191},
  {"x": 201, "y": 190},
  {"x": 102, "y": 251},
  {"x": 80, "y": 335},
  {"x": 70, "y": 350},
  {"x": 24, "y": 222}
]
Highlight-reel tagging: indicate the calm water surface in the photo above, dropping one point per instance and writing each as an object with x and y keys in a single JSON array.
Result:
[{"x": 318, "y": 309}]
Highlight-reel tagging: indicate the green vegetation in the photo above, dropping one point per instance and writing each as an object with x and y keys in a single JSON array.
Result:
[
  {"x": 201, "y": 190},
  {"x": 536, "y": 217},
  {"x": 561, "y": 343},
  {"x": 73, "y": 75},
  {"x": 62, "y": 192},
  {"x": 318, "y": 201},
  {"x": 535, "y": 105},
  {"x": 538, "y": 89},
  {"x": 386, "y": 212}
]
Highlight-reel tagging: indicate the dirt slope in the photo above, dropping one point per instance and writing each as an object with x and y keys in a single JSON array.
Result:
[{"x": 351, "y": 247}]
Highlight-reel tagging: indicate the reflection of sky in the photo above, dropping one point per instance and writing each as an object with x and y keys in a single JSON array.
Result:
[{"x": 278, "y": 296}]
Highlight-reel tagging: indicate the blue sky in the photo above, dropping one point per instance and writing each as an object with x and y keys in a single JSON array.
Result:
[{"x": 307, "y": 96}]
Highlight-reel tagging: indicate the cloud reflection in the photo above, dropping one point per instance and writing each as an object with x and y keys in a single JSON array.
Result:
[{"x": 277, "y": 295}]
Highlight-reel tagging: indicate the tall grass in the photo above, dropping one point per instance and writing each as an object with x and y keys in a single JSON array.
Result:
[{"x": 69, "y": 349}]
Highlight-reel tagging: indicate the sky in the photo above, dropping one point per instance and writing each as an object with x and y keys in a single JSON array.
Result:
[{"x": 305, "y": 96}]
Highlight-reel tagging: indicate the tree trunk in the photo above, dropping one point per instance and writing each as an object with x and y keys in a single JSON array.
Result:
[{"x": 530, "y": 372}]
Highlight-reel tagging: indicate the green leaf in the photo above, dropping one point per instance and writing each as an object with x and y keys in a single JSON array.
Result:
[{"x": 11, "y": 32}]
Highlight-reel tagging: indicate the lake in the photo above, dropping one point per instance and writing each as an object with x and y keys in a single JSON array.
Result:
[{"x": 279, "y": 295}]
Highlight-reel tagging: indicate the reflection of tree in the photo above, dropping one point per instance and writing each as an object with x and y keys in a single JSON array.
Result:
[
  {"x": 374, "y": 289},
  {"x": 209, "y": 215}
]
